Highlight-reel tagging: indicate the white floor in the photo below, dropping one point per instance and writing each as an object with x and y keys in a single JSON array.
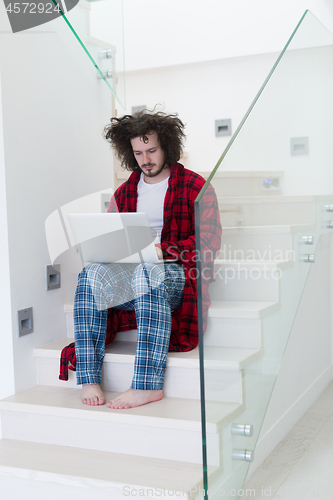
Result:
[{"x": 301, "y": 466}]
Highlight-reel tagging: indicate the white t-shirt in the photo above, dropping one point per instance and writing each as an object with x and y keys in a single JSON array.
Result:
[{"x": 151, "y": 201}]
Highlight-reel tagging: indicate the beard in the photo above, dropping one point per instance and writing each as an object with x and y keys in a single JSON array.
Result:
[{"x": 149, "y": 173}]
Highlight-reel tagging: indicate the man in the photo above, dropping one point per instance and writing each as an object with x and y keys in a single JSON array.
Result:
[{"x": 160, "y": 300}]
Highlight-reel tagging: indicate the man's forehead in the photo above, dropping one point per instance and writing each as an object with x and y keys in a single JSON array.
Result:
[{"x": 148, "y": 139}]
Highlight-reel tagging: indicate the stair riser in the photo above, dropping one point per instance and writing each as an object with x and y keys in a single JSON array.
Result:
[
  {"x": 146, "y": 441},
  {"x": 180, "y": 382},
  {"x": 229, "y": 332},
  {"x": 266, "y": 214},
  {"x": 31, "y": 484},
  {"x": 221, "y": 332},
  {"x": 239, "y": 245},
  {"x": 27, "y": 484},
  {"x": 246, "y": 283},
  {"x": 70, "y": 324},
  {"x": 241, "y": 186}
]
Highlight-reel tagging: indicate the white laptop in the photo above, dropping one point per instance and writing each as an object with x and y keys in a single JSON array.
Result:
[{"x": 115, "y": 237}]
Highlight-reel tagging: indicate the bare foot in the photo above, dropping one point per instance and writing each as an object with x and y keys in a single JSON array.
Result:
[
  {"x": 92, "y": 394},
  {"x": 134, "y": 397}
]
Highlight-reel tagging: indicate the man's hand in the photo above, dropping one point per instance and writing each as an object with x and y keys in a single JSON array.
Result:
[{"x": 159, "y": 252}]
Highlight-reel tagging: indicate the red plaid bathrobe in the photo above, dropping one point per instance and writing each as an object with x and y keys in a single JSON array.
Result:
[{"x": 177, "y": 241}]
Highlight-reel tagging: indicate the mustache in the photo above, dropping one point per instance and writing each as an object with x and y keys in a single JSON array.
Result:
[{"x": 148, "y": 165}]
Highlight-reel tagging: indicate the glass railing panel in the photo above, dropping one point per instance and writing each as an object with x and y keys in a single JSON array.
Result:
[
  {"x": 107, "y": 24},
  {"x": 274, "y": 186},
  {"x": 98, "y": 35}
]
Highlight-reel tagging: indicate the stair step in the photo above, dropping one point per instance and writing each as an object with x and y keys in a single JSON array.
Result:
[
  {"x": 230, "y": 323},
  {"x": 247, "y": 265},
  {"x": 168, "y": 429},
  {"x": 172, "y": 413},
  {"x": 224, "y": 358},
  {"x": 223, "y": 366},
  {"x": 239, "y": 183},
  {"x": 68, "y": 473},
  {"x": 227, "y": 309},
  {"x": 261, "y": 242},
  {"x": 237, "y": 324},
  {"x": 259, "y": 200},
  {"x": 241, "y": 309},
  {"x": 233, "y": 341},
  {"x": 266, "y": 210},
  {"x": 247, "y": 280}
]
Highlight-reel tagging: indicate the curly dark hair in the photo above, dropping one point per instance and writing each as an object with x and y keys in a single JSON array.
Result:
[{"x": 169, "y": 129}]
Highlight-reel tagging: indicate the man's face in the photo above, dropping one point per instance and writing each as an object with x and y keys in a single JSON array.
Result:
[{"x": 149, "y": 155}]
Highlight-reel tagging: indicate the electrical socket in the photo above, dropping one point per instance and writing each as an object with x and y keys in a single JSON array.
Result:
[{"x": 25, "y": 321}]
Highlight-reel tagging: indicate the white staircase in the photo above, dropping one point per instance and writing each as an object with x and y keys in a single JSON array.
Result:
[
  {"x": 163, "y": 438},
  {"x": 54, "y": 445}
]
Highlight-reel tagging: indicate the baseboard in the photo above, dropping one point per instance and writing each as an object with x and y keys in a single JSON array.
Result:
[{"x": 286, "y": 422}]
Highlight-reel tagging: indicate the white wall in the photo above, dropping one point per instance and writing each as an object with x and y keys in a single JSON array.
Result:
[
  {"x": 201, "y": 93},
  {"x": 331, "y": 264},
  {"x": 6, "y": 351},
  {"x": 169, "y": 32},
  {"x": 54, "y": 112}
]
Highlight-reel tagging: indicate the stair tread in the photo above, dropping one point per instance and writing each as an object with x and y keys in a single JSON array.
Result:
[
  {"x": 270, "y": 230},
  {"x": 109, "y": 469},
  {"x": 171, "y": 413},
  {"x": 241, "y": 309},
  {"x": 261, "y": 263},
  {"x": 120, "y": 351},
  {"x": 266, "y": 198},
  {"x": 229, "y": 308}
]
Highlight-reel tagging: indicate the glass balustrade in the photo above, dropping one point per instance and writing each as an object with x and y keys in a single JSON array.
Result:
[
  {"x": 99, "y": 37},
  {"x": 274, "y": 186}
]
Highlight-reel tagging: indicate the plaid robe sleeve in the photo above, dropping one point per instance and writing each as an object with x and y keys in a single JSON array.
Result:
[{"x": 67, "y": 361}]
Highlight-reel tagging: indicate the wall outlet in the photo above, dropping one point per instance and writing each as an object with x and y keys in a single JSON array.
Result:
[
  {"x": 25, "y": 321},
  {"x": 52, "y": 276},
  {"x": 222, "y": 127},
  {"x": 137, "y": 109},
  {"x": 299, "y": 146}
]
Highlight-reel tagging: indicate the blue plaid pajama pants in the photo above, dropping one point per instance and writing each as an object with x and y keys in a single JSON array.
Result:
[{"x": 152, "y": 290}]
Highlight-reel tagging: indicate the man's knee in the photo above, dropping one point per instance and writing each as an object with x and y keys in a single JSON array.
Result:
[
  {"x": 94, "y": 270},
  {"x": 147, "y": 274}
]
